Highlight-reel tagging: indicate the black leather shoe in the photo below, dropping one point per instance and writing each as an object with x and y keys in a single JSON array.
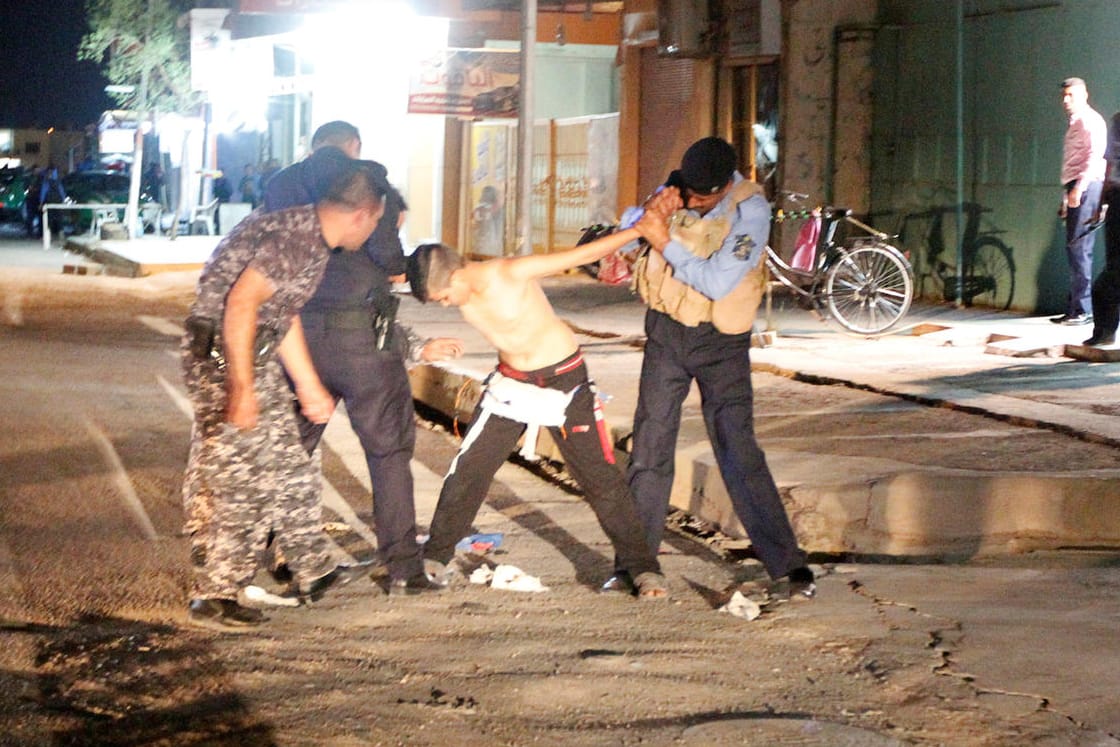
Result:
[
  {"x": 1100, "y": 340},
  {"x": 620, "y": 581},
  {"x": 802, "y": 583},
  {"x": 341, "y": 575},
  {"x": 421, "y": 583},
  {"x": 225, "y": 615},
  {"x": 1059, "y": 319},
  {"x": 1077, "y": 321}
]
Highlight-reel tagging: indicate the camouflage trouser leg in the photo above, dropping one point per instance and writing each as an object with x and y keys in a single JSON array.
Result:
[
  {"x": 254, "y": 481},
  {"x": 206, "y": 390},
  {"x": 297, "y": 515}
]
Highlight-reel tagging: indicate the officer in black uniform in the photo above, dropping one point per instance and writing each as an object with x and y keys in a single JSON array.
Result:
[{"x": 358, "y": 352}]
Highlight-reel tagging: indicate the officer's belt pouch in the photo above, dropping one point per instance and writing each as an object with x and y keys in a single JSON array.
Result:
[
  {"x": 263, "y": 343},
  {"x": 201, "y": 332},
  {"x": 381, "y": 324}
]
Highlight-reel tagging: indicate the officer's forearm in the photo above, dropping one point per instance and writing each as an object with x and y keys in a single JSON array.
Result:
[
  {"x": 239, "y": 330},
  {"x": 296, "y": 358}
]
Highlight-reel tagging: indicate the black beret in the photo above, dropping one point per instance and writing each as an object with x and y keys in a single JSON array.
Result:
[{"x": 708, "y": 165}]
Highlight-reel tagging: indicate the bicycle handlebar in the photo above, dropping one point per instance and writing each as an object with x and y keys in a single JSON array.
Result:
[{"x": 827, "y": 211}]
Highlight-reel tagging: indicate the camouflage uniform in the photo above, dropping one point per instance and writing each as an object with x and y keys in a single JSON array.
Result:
[{"x": 240, "y": 485}]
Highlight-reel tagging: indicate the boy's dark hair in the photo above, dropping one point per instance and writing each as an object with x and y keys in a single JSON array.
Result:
[
  {"x": 430, "y": 268},
  {"x": 337, "y": 133},
  {"x": 357, "y": 184}
]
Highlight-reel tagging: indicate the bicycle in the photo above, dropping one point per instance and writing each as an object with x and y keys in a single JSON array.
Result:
[
  {"x": 864, "y": 283},
  {"x": 988, "y": 277}
]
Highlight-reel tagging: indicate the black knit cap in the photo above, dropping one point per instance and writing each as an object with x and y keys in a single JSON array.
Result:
[{"x": 708, "y": 165}]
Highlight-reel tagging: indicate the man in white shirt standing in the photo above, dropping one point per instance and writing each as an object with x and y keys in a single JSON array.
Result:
[{"x": 1083, "y": 168}]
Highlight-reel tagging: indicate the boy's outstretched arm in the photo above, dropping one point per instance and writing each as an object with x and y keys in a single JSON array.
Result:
[{"x": 541, "y": 265}]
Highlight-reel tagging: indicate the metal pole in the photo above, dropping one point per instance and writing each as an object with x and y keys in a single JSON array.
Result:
[
  {"x": 132, "y": 210},
  {"x": 960, "y": 152},
  {"x": 525, "y": 129}
]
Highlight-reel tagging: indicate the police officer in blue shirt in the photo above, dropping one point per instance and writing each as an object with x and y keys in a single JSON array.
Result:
[{"x": 702, "y": 280}]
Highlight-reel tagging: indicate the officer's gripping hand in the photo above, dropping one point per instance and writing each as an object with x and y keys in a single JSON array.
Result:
[
  {"x": 654, "y": 227},
  {"x": 242, "y": 410},
  {"x": 664, "y": 201},
  {"x": 315, "y": 402},
  {"x": 441, "y": 349}
]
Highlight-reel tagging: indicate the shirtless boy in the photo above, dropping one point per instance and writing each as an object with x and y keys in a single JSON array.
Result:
[{"x": 540, "y": 380}]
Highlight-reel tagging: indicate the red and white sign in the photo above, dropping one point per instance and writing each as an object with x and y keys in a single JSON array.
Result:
[{"x": 467, "y": 83}]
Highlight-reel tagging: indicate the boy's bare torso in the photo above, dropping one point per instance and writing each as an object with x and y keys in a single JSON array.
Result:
[{"x": 516, "y": 317}]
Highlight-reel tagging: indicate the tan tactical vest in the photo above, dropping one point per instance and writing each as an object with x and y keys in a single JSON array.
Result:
[{"x": 653, "y": 277}]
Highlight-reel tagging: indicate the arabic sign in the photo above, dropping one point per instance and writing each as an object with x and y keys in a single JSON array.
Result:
[{"x": 467, "y": 83}]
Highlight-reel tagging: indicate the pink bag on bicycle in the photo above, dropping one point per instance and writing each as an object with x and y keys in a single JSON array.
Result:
[
  {"x": 614, "y": 270},
  {"x": 806, "y": 246}
]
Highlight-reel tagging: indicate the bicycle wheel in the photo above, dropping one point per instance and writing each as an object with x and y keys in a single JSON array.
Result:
[
  {"x": 869, "y": 287},
  {"x": 989, "y": 278}
]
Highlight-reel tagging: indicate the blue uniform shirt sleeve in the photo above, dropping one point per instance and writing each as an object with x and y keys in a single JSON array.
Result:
[
  {"x": 287, "y": 189},
  {"x": 306, "y": 181},
  {"x": 740, "y": 252}
]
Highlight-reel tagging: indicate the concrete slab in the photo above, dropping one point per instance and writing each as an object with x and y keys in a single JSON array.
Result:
[
  {"x": 1094, "y": 353},
  {"x": 1029, "y": 347},
  {"x": 145, "y": 256}
]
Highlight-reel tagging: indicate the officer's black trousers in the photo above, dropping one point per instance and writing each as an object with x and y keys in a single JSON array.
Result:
[
  {"x": 374, "y": 385},
  {"x": 675, "y": 355}
]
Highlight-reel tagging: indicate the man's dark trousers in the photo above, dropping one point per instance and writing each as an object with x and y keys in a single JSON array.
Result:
[
  {"x": 487, "y": 446},
  {"x": 675, "y": 355},
  {"x": 374, "y": 385},
  {"x": 1079, "y": 250},
  {"x": 1106, "y": 288}
]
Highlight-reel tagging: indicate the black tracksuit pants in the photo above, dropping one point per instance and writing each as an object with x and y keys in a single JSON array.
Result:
[{"x": 579, "y": 441}]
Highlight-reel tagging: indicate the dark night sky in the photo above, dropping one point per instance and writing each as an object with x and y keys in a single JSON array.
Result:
[{"x": 42, "y": 84}]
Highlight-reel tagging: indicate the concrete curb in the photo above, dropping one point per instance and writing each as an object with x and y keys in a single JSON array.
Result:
[{"x": 144, "y": 257}]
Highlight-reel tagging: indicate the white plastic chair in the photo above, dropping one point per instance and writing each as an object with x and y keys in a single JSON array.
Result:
[
  {"x": 204, "y": 214},
  {"x": 151, "y": 214},
  {"x": 101, "y": 216}
]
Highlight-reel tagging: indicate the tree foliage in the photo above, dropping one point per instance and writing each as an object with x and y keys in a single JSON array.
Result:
[{"x": 144, "y": 44}]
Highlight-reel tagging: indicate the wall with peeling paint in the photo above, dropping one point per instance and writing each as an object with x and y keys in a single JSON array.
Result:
[{"x": 827, "y": 115}]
